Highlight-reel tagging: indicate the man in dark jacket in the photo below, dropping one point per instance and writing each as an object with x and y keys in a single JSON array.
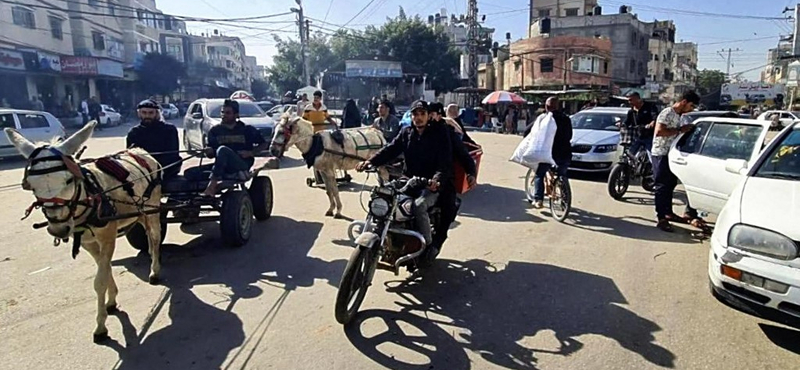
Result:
[
  {"x": 94, "y": 112},
  {"x": 428, "y": 154},
  {"x": 641, "y": 122},
  {"x": 562, "y": 149},
  {"x": 155, "y": 136}
]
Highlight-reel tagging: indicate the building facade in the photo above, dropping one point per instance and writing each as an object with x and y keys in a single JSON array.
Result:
[
  {"x": 629, "y": 38},
  {"x": 661, "y": 45},
  {"x": 776, "y": 70},
  {"x": 684, "y": 67},
  {"x": 562, "y": 8}
]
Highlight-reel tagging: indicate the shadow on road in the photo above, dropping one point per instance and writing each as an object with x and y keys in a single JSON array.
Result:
[
  {"x": 623, "y": 227},
  {"x": 457, "y": 306},
  {"x": 782, "y": 337},
  {"x": 289, "y": 162},
  {"x": 203, "y": 334},
  {"x": 489, "y": 202}
]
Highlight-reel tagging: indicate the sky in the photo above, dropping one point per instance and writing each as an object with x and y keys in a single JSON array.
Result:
[{"x": 728, "y": 29}]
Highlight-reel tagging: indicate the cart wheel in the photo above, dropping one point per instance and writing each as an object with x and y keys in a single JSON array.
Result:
[
  {"x": 236, "y": 218},
  {"x": 262, "y": 197},
  {"x": 137, "y": 237},
  {"x": 310, "y": 182}
]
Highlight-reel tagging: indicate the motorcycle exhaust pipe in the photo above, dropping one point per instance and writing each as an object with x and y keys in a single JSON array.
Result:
[{"x": 411, "y": 256}]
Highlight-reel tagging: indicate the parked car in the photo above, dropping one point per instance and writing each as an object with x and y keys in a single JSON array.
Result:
[
  {"x": 206, "y": 113},
  {"x": 786, "y": 117},
  {"x": 169, "y": 111},
  {"x": 754, "y": 260},
  {"x": 35, "y": 126},
  {"x": 109, "y": 116},
  {"x": 279, "y": 110},
  {"x": 693, "y": 116},
  {"x": 595, "y": 138},
  {"x": 265, "y": 105}
]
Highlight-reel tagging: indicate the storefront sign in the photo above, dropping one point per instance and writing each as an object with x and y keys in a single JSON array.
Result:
[
  {"x": 11, "y": 60},
  {"x": 373, "y": 68},
  {"x": 49, "y": 62},
  {"x": 111, "y": 68},
  {"x": 79, "y": 65}
]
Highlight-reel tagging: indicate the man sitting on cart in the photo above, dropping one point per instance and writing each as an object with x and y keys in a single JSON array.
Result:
[
  {"x": 156, "y": 137},
  {"x": 233, "y": 144}
]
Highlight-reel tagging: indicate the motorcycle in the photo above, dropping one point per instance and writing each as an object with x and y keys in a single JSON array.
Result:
[
  {"x": 388, "y": 235},
  {"x": 630, "y": 168}
]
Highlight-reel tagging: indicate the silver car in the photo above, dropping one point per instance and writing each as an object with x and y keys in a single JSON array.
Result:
[
  {"x": 595, "y": 138},
  {"x": 203, "y": 114},
  {"x": 33, "y": 125}
]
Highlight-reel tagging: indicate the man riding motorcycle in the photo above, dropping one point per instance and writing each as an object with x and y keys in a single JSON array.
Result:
[
  {"x": 428, "y": 153},
  {"x": 156, "y": 136}
]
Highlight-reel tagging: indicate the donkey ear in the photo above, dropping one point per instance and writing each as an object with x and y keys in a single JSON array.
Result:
[
  {"x": 23, "y": 145},
  {"x": 76, "y": 141}
]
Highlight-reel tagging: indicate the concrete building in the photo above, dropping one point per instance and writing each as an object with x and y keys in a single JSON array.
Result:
[
  {"x": 250, "y": 66},
  {"x": 776, "y": 70},
  {"x": 661, "y": 45},
  {"x": 262, "y": 73},
  {"x": 629, "y": 39},
  {"x": 455, "y": 28},
  {"x": 684, "y": 67},
  {"x": 562, "y": 8},
  {"x": 553, "y": 63}
]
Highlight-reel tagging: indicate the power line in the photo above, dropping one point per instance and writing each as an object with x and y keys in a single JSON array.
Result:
[
  {"x": 359, "y": 12},
  {"x": 697, "y": 13},
  {"x": 740, "y": 40},
  {"x": 330, "y": 4}
]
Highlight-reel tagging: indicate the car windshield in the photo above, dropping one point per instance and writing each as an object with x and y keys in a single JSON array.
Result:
[
  {"x": 597, "y": 121},
  {"x": 246, "y": 109},
  {"x": 784, "y": 161}
]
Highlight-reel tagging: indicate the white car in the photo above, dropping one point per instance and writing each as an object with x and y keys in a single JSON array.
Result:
[
  {"x": 787, "y": 117},
  {"x": 595, "y": 138},
  {"x": 169, "y": 111},
  {"x": 33, "y": 125},
  {"x": 109, "y": 116},
  {"x": 754, "y": 260}
]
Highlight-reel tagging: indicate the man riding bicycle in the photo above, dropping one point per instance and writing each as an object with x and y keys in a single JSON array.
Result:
[
  {"x": 428, "y": 153},
  {"x": 562, "y": 150}
]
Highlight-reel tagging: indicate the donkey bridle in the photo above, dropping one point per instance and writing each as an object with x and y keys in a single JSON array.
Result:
[{"x": 67, "y": 164}]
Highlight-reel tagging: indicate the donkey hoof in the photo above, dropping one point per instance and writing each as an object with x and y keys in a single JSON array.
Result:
[
  {"x": 329, "y": 214},
  {"x": 100, "y": 338},
  {"x": 154, "y": 280},
  {"x": 338, "y": 216},
  {"x": 112, "y": 309}
]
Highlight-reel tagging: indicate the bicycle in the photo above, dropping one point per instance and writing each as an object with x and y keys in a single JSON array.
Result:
[
  {"x": 629, "y": 168},
  {"x": 557, "y": 189}
]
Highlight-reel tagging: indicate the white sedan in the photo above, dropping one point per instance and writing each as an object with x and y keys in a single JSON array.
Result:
[
  {"x": 754, "y": 260},
  {"x": 595, "y": 138},
  {"x": 109, "y": 116}
]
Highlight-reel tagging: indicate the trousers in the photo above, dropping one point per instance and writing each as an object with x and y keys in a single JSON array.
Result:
[
  {"x": 421, "y": 217},
  {"x": 228, "y": 162}
]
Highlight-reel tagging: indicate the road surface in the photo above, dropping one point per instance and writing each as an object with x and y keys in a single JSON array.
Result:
[{"x": 513, "y": 289}]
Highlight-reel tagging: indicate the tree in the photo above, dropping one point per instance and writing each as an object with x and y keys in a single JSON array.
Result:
[
  {"x": 709, "y": 81},
  {"x": 287, "y": 68},
  {"x": 159, "y": 74}
]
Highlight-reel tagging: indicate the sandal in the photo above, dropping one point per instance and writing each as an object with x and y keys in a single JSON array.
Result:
[
  {"x": 663, "y": 225},
  {"x": 701, "y": 224},
  {"x": 675, "y": 218}
]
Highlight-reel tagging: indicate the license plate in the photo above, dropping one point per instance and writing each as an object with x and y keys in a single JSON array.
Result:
[{"x": 576, "y": 158}]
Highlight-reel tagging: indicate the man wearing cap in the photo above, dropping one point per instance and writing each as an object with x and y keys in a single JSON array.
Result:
[
  {"x": 233, "y": 145},
  {"x": 156, "y": 136},
  {"x": 428, "y": 154}
]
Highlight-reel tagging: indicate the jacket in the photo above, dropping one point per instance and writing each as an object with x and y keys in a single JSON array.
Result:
[
  {"x": 428, "y": 155},
  {"x": 161, "y": 138}
]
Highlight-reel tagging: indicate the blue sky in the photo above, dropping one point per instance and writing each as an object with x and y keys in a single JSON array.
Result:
[{"x": 752, "y": 36}]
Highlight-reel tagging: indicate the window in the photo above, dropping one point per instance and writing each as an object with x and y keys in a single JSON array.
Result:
[
  {"x": 111, "y": 9},
  {"x": 632, "y": 66},
  {"x": 546, "y": 65},
  {"x": 730, "y": 141},
  {"x": 571, "y": 12},
  {"x": 7, "y": 121},
  {"x": 544, "y": 13},
  {"x": 641, "y": 68},
  {"x": 655, "y": 57},
  {"x": 605, "y": 67},
  {"x": 23, "y": 17},
  {"x": 642, "y": 43},
  {"x": 32, "y": 121},
  {"x": 633, "y": 38},
  {"x": 691, "y": 143},
  {"x": 784, "y": 162},
  {"x": 56, "y": 25},
  {"x": 98, "y": 41},
  {"x": 94, "y": 3}
]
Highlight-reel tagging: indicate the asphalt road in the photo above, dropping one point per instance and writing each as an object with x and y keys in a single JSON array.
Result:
[{"x": 512, "y": 289}]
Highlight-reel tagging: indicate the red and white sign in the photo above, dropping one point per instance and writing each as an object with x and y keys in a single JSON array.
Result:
[
  {"x": 11, "y": 60},
  {"x": 79, "y": 65},
  {"x": 242, "y": 95}
]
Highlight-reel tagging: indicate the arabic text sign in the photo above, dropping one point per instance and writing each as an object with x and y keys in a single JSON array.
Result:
[
  {"x": 373, "y": 68},
  {"x": 11, "y": 60},
  {"x": 744, "y": 93},
  {"x": 79, "y": 65}
]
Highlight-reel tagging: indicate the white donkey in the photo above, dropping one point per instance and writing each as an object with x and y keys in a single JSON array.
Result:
[
  {"x": 73, "y": 197},
  {"x": 327, "y": 153}
]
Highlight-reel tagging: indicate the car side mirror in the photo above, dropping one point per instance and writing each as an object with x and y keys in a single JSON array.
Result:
[
  {"x": 197, "y": 115},
  {"x": 270, "y": 113},
  {"x": 736, "y": 166}
]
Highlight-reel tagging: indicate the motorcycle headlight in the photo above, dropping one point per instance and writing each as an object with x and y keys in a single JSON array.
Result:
[
  {"x": 760, "y": 241},
  {"x": 605, "y": 148},
  {"x": 379, "y": 207}
]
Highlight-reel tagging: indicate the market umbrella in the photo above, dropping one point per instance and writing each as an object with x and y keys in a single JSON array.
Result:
[{"x": 498, "y": 97}]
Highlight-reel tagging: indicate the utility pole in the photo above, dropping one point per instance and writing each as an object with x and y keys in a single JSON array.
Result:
[
  {"x": 304, "y": 37},
  {"x": 795, "y": 41},
  {"x": 472, "y": 45},
  {"x": 728, "y": 59}
]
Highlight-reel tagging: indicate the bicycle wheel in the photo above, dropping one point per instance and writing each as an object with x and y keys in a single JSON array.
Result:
[
  {"x": 529, "y": 185},
  {"x": 618, "y": 181},
  {"x": 561, "y": 201}
]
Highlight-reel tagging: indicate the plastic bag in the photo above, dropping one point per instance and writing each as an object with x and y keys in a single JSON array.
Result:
[{"x": 537, "y": 147}]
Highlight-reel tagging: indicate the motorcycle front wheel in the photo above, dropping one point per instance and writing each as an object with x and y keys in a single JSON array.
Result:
[
  {"x": 618, "y": 181},
  {"x": 353, "y": 285}
]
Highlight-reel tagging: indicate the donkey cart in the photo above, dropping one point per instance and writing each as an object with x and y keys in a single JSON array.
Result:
[{"x": 241, "y": 197}]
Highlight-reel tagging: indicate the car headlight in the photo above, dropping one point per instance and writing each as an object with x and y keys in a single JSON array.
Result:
[
  {"x": 605, "y": 148},
  {"x": 379, "y": 207},
  {"x": 761, "y": 241}
]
